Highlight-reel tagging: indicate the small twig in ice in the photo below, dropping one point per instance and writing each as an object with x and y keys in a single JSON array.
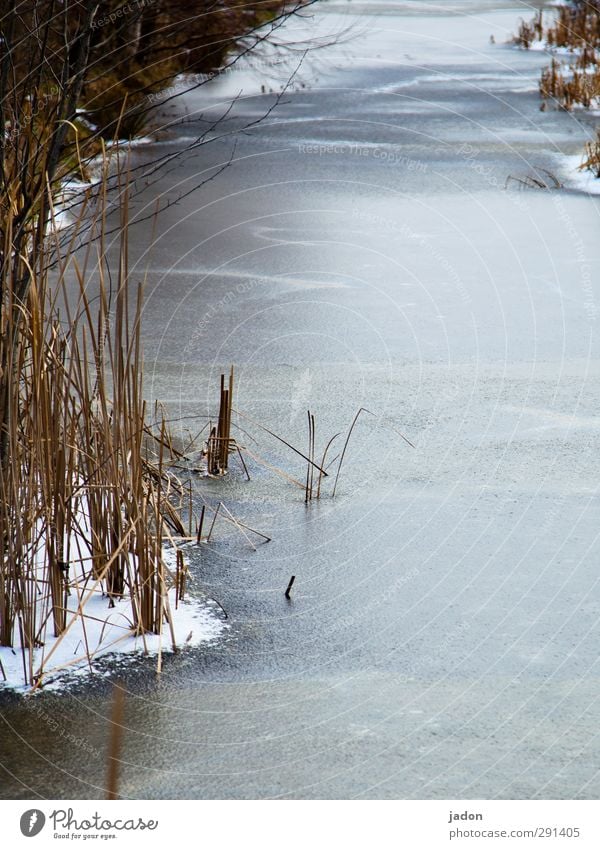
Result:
[
  {"x": 362, "y": 410},
  {"x": 289, "y": 586}
]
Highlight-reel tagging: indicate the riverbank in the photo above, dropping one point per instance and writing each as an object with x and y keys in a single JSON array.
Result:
[
  {"x": 569, "y": 33},
  {"x": 98, "y": 632},
  {"x": 361, "y": 250},
  {"x": 88, "y": 494}
]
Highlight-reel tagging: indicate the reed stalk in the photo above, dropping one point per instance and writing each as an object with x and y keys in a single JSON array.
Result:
[{"x": 82, "y": 502}]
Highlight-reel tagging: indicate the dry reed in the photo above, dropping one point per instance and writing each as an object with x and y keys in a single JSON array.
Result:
[
  {"x": 574, "y": 27},
  {"x": 84, "y": 505},
  {"x": 591, "y": 161},
  {"x": 115, "y": 742},
  {"x": 219, "y": 443}
]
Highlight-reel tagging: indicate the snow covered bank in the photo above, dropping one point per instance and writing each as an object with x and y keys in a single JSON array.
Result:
[
  {"x": 104, "y": 630},
  {"x": 71, "y": 193},
  {"x": 575, "y": 178}
]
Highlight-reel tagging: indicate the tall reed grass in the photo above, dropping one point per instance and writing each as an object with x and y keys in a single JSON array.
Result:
[
  {"x": 85, "y": 493},
  {"x": 573, "y": 29}
]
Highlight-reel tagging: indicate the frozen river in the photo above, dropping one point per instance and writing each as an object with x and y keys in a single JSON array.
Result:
[{"x": 361, "y": 250}]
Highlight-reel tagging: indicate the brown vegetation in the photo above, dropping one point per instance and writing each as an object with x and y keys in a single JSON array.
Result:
[
  {"x": 530, "y": 31},
  {"x": 122, "y": 53},
  {"x": 592, "y": 156},
  {"x": 574, "y": 27},
  {"x": 575, "y": 87},
  {"x": 87, "y": 491},
  {"x": 85, "y": 497}
]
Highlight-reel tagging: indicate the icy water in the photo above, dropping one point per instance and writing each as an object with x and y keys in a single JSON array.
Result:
[{"x": 361, "y": 251}]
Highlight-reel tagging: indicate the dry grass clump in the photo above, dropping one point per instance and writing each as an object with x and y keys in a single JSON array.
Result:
[
  {"x": 541, "y": 178},
  {"x": 113, "y": 57},
  {"x": 575, "y": 28},
  {"x": 219, "y": 442},
  {"x": 85, "y": 500},
  {"x": 530, "y": 31},
  {"x": 591, "y": 161},
  {"x": 575, "y": 87}
]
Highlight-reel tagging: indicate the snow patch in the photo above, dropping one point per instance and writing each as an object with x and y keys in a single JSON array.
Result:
[
  {"x": 106, "y": 630},
  {"x": 582, "y": 180}
]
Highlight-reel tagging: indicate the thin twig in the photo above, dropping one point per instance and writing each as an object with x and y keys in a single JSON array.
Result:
[{"x": 362, "y": 410}]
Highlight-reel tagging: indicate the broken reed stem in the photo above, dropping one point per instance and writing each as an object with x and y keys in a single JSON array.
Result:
[
  {"x": 241, "y": 456},
  {"x": 200, "y": 524},
  {"x": 307, "y": 491},
  {"x": 280, "y": 439},
  {"x": 115, "y": 741},
  {"x": 219, "y": 442},
  {"x": 254, "y": 531},
  {"x": 327, "y": 447},
  {"x": 289, "y": 586},
  {"x": 221, "y": 426},
  {"x": 213, "y": 521},
  {"x": 339, "y": 468},
  {"x": 234, "y": 521},
  {"x": 310, "y": 468},
  {"x": 261, "y": 461},
  {"x": 180, "y": 578},
  {"x": 240, "y": 527}
]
